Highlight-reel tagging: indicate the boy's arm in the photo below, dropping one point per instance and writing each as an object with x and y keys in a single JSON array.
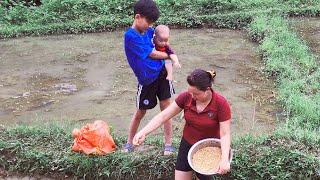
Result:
[
  {"x": 141, "y": 50},
  {"x": 158, "y": 55}
]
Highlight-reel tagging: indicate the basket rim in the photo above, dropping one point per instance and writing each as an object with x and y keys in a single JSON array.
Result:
[{"x": 199, "y": 142}]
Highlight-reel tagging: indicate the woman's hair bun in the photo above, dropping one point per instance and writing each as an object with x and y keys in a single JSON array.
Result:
[{"x": 212, "y": 74}]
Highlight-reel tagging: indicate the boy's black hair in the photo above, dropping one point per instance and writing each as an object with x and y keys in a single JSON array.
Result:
[{"x": 148, "y": 9}]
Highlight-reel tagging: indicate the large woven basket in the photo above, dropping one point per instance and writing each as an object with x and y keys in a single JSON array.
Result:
[{"x": 210, "y": 142}]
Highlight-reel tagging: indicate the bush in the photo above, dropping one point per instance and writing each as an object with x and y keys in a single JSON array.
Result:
[
  {"x": 77, "y": 16},
  {"x": 47, "y": 151}
]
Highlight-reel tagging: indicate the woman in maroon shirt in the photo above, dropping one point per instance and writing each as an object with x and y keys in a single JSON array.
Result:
[{"x": 207, "y": 115}]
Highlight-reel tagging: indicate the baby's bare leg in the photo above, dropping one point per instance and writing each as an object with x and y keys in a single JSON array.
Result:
[{"x": 168, "y": 65}]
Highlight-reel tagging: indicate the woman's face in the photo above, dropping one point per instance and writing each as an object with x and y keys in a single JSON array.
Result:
[{"x": 197, "y": 94}]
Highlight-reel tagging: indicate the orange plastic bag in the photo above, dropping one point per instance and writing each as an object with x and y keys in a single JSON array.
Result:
[{"x": 93, "y": 139}]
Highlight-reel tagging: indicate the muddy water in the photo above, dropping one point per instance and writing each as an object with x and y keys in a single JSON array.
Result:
[{"x": 33, "y": 68}]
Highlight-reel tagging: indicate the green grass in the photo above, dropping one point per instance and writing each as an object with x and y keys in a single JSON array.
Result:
[
  {"x": 291, "y": 152},
  {"x": 295, "y": 68},
  {"x": 47, "y": 151},
  {"x": 280, "y": 156},
  {"x": 78, "y": 16}
]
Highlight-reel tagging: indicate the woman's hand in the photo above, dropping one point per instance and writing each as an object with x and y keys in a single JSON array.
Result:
[
  {"x": 225, "y": 134},
  {"x": 224, "y": 167},
  {"x": 138, "y": 139}
]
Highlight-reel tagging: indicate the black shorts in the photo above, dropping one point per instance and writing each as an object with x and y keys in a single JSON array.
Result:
[
  {"x": 182, "y": 160},
  {"x": 147, "y": 94}
]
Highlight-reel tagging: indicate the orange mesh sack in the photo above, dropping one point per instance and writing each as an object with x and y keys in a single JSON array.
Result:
[{"x": 93, "y": 139}]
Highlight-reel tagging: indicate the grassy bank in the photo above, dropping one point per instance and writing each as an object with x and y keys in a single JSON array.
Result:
[
  {"x": 80, "y": 16},
  {"x": 296, "y": 69},
  {"x": 46, "y": 151},
  {"x": 291, "y": 152}
]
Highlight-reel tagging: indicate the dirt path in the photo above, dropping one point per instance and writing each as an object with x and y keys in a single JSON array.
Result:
[
  {"x": 101, "y": 85},
  {"x": 309, "y": 30}
]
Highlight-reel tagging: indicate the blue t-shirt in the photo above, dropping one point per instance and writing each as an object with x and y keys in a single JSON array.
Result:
[{"x": 138, "y": 47}]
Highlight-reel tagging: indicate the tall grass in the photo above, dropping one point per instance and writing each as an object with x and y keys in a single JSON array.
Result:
[
  {"x": 77, "y": 16},
  {"x": 47, "y": 151},
  {"x": 297, "y": 70}
]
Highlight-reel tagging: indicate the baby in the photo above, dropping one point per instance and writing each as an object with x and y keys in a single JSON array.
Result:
[{"x": 161, "y": 42}]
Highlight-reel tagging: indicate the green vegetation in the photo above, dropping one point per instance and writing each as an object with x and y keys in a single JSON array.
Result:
[
  {"x": 77, "y": 16},
  {"x": 291, "y": 152},
  {"x": 46, "y": 151},
  {"x": 297, "y": 70},
  {"x": 287, "y": 154}
]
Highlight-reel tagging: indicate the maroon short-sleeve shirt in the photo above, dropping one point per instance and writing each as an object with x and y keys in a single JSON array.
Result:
[{"x": 205, "y": 124}]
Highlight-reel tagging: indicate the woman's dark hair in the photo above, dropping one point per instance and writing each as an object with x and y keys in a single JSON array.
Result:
[
  {"x": 147, "y": 9},
  {"x": 201, "y": 79}
]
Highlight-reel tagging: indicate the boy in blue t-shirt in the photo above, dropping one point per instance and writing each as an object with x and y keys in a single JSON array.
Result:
[{"x": 148, "y": 66}]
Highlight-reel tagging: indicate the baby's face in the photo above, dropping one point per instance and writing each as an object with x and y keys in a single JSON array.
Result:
[{"x": 161, "y": 40}]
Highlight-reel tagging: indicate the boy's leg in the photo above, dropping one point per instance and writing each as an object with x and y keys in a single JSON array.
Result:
[
  {"x": 164, "y": 92},
  {"x": 168, "y": 65},
  {"x": 134, "y": 124},
  {"x": 146, "y": 99},
  {"x": 167, "y": 125}
]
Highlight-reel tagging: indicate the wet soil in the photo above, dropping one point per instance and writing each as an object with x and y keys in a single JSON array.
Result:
[
  {"x": 309, "y": 30},
  {"x": 33, "y": 70}
]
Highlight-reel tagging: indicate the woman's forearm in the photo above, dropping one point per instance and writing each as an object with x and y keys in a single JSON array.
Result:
[
  {"x": 154, "y": 124},
  {"x": 225, "y": 146},
  {"x": 160, "y": 118},
  {"x": 225, "y": 137}
]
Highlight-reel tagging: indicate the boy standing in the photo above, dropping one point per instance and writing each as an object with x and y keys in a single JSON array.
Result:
[{"x": 148, "y": 66}]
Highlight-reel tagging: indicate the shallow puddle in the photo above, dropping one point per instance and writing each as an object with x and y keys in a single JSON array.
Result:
[{"x": 32, "y": 67}]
